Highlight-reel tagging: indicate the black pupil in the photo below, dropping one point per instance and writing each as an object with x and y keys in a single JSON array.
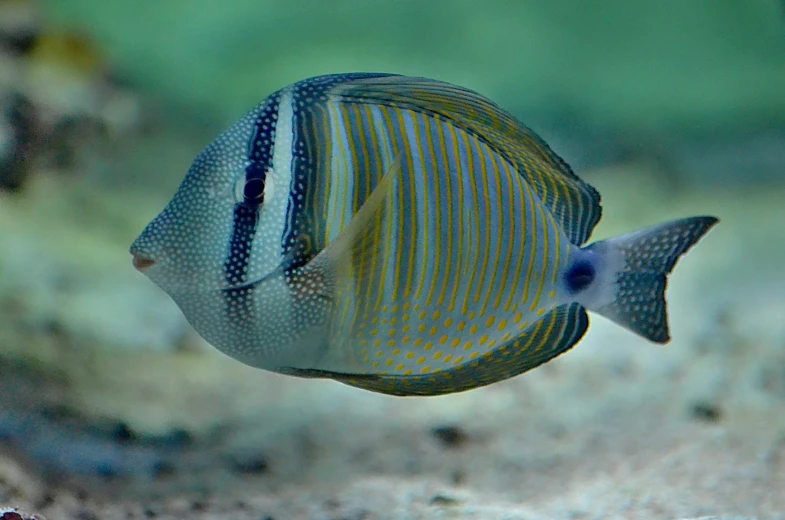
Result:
[
  {"x": 579, "y": 276},
  {"x": 253, "y": 190}
]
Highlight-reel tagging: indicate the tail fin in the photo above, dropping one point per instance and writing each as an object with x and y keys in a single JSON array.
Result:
[{"x": 636, "y": 267}]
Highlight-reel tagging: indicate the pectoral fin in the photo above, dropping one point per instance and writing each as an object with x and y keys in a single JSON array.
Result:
[{"x": 357, "y": 253}]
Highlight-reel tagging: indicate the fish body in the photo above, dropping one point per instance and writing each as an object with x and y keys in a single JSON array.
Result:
[{"x": 398, "y": 234}]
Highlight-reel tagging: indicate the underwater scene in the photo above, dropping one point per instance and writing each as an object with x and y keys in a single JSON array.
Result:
[{"x": 360, "y": 260}]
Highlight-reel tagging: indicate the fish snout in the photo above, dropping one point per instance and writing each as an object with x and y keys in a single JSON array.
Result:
[{"x": 141, "y": 263}]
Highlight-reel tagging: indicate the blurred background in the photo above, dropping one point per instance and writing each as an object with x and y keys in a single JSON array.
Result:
[{"x": 111, "y": 405}]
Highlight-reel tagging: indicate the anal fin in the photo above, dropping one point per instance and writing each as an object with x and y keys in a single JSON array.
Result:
[{"x": 553, "y": 334}]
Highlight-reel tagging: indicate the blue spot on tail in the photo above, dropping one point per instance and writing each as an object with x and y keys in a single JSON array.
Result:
[{"x": 579, "y": 276}]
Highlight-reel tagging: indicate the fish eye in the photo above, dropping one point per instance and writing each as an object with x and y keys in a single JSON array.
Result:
[
  {"x": 249, "y": 191},
  {"x": 253, "y": 191}
]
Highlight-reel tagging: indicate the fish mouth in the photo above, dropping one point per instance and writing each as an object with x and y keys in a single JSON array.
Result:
[{"x": 141, "y": 263}]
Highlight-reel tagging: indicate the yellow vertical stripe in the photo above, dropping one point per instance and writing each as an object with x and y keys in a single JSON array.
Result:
[
  {"x": 460, "y": 176},
  {"x": 545, "y": 247},
  {"x": 359, "y": 198},
  {"x": 524, "y": 230},
  {"x": 446, "y": 278},
  {"x": 437, "y": 204},
  {"x": 399, "y": 250},
  {"x": 557, "y": 260},
  {"x": 499, "y": 212},
  {"x": 319, "y": 197},
  {"x": 391, "y": 152},
  {"x": 413, "y": 210},
  {"x": 475, "y": 221},
  {"x": 531, "y": 232},
  {"x": 336, "y": 171},
  {"x": 510, "y": 224},
  {"x": 375, "y": 255},
  {"x": 425, "y": 206},
  {"x": 365, "y": 170},
  {"x": 485, "y": 217}
]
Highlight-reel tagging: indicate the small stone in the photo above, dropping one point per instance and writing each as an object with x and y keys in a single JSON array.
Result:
[
  {"x": 250, "y": 464},
  {"x": 14, "y": 514},
  {"x": 706, "y": 412},
  {"x": 450, "y": 436},
  {"x": 444, "y": 500}
]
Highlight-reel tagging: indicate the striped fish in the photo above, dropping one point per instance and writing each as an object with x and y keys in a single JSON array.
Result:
[{"x": 401, "y": 235}]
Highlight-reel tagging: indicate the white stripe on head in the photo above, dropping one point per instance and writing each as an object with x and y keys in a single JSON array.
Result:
[
  {"x": 267, "y": 252},
  {"x": 341, "y": 175}
]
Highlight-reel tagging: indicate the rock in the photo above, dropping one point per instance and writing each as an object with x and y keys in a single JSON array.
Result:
[{"x": 15, "y": 514}]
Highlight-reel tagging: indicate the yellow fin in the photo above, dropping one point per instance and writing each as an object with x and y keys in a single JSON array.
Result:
[
  {"x": 552, "y": 335},
  {"x": 363, "y": 236}
]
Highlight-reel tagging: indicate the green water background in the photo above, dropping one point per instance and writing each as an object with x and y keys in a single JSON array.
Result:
[{"x": 605, "y": 80}]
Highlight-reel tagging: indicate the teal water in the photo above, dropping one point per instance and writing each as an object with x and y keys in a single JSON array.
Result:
[{"x": 111, "y": 404}]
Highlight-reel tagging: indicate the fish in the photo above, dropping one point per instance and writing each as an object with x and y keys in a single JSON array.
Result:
[{"x": 401, "y": 235}]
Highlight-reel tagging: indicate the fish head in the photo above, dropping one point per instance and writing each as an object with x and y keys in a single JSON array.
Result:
[{"x": 186, "y": 248}]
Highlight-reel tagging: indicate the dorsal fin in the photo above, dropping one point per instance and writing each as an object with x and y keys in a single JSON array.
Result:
[{"x": 574, "y": 204}]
